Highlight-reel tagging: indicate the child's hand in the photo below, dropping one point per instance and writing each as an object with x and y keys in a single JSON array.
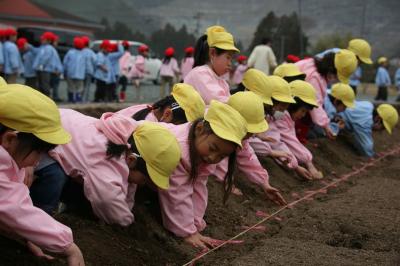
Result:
[
  {"x": 199, "y": 241},
  {"x": 303, "y": 172},
  {"x": 29, "y": 176},
  {"x": 273, "y": 194},
  {"x": 37, "y": 251}
]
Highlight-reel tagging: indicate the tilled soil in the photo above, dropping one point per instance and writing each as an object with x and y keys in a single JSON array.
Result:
[{"x": 356, "y": 223}]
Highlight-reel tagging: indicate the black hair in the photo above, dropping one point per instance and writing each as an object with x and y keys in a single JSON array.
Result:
[
  {"x": 265, "y": 40},
  {"x": 333, "y": 99},
  {"x": 326, "y": 65},
  {"x": 179, "y": 116},
  {"x": 116, "y": 151},
  {"x": 126, "y": 47},
  {"x": 228, "y": 180},
  {"x": 166, "y": 59},
  {"x": 27, "y": 142},
  {"x": 239, "y": 88},
  {"x": 201, "y": 52},
  {"x": 293, "y": 78},
  {"x": 293, "y": 107}
]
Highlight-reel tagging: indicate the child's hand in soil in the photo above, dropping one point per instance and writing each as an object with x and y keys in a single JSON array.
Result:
[
  {"x": 236, "y": 191},
  {"x": 273, "y": 194},
  {"x": 281, "y": 155},
  {"x": 303, "y": 172},
  {"x": 37, "y": 251},
  {"x": 197, "y": 240},
  {"x": 74, "y": 256}
]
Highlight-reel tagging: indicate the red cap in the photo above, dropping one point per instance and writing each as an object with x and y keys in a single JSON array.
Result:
[
  {"x": 85, "y": 40},
  {"x": 143, "y": 48},
  {"x": 125, "y": 44},
  {"x": 10, "y": 32},
  {"x": 79, "y": 43},
  {"x": 241, "y": 58},
  {"x": 189, "y": 50},
  {"x": 21, "y": 43},
  {"x": 49, "y": 36},
  {"x": 113, "y": 47},
  {"x": 169, "y": 51},
  {"x": 2, "y": 33},
  {"x": 104, "y": 44},
  {"x": 292, "y": 58}
]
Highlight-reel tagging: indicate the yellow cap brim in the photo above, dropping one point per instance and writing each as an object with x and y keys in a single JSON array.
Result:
[
  {"x": 284, "y": 99},
  {"x": 387, "y": 127},
  {"x": 227, "y": 47},
  {"x": 313, "y": 103},
  {"x": 349, "y": 104},
  {"x": 56, "y": 137},
  {"x": 343, "y": 79},
  {"x": 366, "y": 60},
  {"x": 158, "y": 179},
  {"x": 257, "y": 128},
  {"x": 223, "y": 134}
]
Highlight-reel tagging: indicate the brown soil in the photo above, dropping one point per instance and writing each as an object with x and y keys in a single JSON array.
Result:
[{"x": 356, "y": 223}]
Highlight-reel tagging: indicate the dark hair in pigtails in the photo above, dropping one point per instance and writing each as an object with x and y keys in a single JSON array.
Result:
[
  {"x": 326, "y": 65},
  {"x": 229, "y": 177},
  {"x": 201, "y": 51},
  {"x": 168, "y": 101}
]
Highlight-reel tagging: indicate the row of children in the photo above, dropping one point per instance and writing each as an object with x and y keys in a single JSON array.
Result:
[{"x": 177, "y": 146}]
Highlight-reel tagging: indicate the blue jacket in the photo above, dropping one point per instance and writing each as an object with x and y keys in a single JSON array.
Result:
[
  {"x": 397, "y": 78},
  {"x": 75, "y": 64},
  {"x": 114, "y": 59},
  {"x": 359, "y": 122},
  {"x": 382, "y": 78},
  {"x": 48, "y": 60},
  {"x": 90, "y": 61},
  {"x": 1, "y": 54},
  {"x": 355, "y": 78},
  {"x": 28, "y": 58},
  {"x": 12, "y": 58}
]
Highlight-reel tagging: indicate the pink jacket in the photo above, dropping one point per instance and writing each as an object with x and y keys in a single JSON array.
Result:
[
  {"x": 131, "y": 110},
  {"x": 238, "y": 74},
  {"x": 124, "y": 62},
  {"x": 138, "y": 68},
  {"x": 208, "y": 84},
  {"x": 183, "y": 205},
  {"x": 105, "y": 180},
  {"x": 288, "y": 136},
  {"x": 247, "y": 162},
  {"x": 318, "y": 115},
  {"x": 186, "y": 66},
  {"x": 19, "y": 216},
  {"x": 170, "y": 69},
  {"x": 264, "y": 148}
]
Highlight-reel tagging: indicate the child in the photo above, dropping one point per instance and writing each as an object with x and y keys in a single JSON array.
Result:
[
  {"x": 124, "y": 63},
  {"x": 187, "y": 62},
  {"x": 74, "y": 70},
  {"x": 1, "y": 52},
  {"x": 115, "y": 52},
  {"x": 110, "y": 156},
  {"x": 363, "y": 118},
  {"x": 203, "y": 143},
  {"x": 321, "y": 72},
  {"x": 12, "y": 58},
  {"x": 90, "y": 58},
  {"x": 382, "y": 79},
  {"x": 169, "y": 69},
  {"x": 240, "y": 69},
  {"x": 305, "y": 96},
  {"x": 397, "y": 83},
  {"x": 28, "y": 55},
  {"x": 29, "y": 126},
  {"x": 289, "y": 72},
  {"x": 102, "y": 71},
  {"x": 213, "y": 56},
  {"x": 183, "y": 105},
  {"x": 138, "y": 70}
]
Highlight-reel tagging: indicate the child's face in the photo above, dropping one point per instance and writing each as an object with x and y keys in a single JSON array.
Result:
[
  {"x": 135, "y": 176},
  {"x": 340, "y": 107},
  {"x": 378, "y": 125},
  {"x": 209, "y": 147},
  {"x": 280, "y": 106},
  {"x": 23, "y": 158},
  {"x": 299, "y": 114},
  {"x": 222, "y": 63}
]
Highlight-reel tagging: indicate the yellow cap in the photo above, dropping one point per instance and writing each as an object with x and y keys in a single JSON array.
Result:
[
  {"x": 226, "y": 122},
  {"x": 256, "y": 81},
  {"x": 305, "y": 91},
  {"x": 27, "y": 110},
  {"x": 287, "y": 70},
  {"x": 189, "y": 100},
  {"x": 344, "y": 93},
  {"x": 280, "y": 89},
  {"x": 345, "y": 64},
  {"x": 218, "y": 37},
  {"x": 362, "y": 49},
  {"x": 389, "y": 116},
  {"x": 250, "y": 106},
  {"x": 160, "y": 149},
  {"x": 3, "y": 83},
  {"x": 382, "y": 60}
]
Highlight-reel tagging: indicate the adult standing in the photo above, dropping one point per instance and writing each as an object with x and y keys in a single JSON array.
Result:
[{"x": 262, "y": 57}]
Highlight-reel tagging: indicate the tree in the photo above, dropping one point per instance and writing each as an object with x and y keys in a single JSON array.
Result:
[
  {"x": 331, "y": 41},
  {"x": 284, "y": 32}
]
